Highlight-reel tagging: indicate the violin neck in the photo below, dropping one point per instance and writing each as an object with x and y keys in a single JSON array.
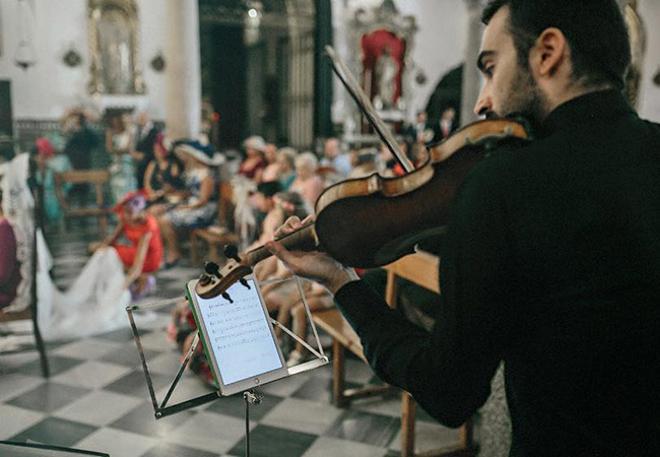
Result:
[{"x": 303, "y": 239}]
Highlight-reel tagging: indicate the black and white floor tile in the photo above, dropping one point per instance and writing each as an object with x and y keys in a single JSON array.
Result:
[{"x": 96, "y": 397}]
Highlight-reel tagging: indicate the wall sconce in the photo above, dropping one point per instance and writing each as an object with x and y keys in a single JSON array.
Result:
[
  {"x": 25, "y": 55},
  {"x": 158, "y": 62},
  {"x": 656, "y": 78},
  {"x": 252, "y": 22},
  {"x": 72, "y": 58}
]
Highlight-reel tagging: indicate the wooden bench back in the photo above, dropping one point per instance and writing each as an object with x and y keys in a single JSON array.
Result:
[{"x": 98, "y": 179}]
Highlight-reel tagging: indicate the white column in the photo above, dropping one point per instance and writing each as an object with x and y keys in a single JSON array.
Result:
[
  {"x": 471, "y": 78},
  {"x": 183, "y": 85}
]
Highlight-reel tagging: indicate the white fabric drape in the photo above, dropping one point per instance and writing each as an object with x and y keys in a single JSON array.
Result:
[{"x": 95, "y": 303}]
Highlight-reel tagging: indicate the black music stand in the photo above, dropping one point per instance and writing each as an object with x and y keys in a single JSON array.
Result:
[{"x": 251, "y": 397}]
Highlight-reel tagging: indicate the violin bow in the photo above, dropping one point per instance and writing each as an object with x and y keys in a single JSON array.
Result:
[{"x": 348, "y": 80}]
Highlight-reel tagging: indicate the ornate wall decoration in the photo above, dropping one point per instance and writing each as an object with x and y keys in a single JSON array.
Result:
[
  {"x": 380, "y": 49},
  {"x": 114, "y": 50},
  {"x": 72, "y": 58},
  {"x": 158, "y": 63}
]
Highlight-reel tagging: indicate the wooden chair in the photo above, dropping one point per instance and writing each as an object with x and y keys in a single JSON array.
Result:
[
  {"x": 422, "y": 269},
  {"x": 344, "y": 337},
  {"x": 215, "y": 236},
  {"x": 99, "y": 179}
]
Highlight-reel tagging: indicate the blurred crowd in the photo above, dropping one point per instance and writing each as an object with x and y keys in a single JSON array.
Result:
[{"x": 161, "y": 189}]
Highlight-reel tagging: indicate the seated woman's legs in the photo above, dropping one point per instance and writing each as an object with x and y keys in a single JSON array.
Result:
[{"x": 169, "y": 237}]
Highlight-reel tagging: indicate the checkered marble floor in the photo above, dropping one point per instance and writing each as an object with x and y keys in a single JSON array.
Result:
[{"x": 96, "y": 397}]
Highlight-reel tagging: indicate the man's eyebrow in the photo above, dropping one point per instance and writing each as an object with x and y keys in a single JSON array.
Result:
[{"x": 483, "y": 55}]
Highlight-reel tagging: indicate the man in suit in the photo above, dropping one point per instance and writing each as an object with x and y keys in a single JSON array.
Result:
[{"x": 144, "y": 145}]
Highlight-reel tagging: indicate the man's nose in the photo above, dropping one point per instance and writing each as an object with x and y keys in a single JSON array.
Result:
[{"x": 483, "y": 106}]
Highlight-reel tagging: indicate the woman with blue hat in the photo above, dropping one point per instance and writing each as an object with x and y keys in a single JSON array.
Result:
[{"x": 199, "y": 208}]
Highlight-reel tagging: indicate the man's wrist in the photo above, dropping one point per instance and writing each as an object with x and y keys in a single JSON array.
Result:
[{"x": 343, "y": 277}]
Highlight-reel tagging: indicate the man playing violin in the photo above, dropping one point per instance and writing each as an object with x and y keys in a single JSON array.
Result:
[{"x": 551, "y": 261}]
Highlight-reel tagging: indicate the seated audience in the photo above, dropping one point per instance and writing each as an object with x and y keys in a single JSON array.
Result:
[
  {"x": 286, "y": 158},
  {"x": 333, "y": 157},
  {"x": 272, "y": 170},
  {"x": 163, "y": 178},
  {"x": 388, "y": 165},
  {"x": 144, "y": 253},
  {"x": 199, "y": 208},
  {"x": 307, "y": 182},
  {"x": 283, "y": 298},
  {"x": 10, "y": 272},
  {"x": 254, "y": 163},
  {"x": 268, "y": 215},
  {"x": 49, "y": 162},
  {"x": 364, "y": 163}
]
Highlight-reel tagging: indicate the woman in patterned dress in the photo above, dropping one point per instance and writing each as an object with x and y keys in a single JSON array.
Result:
[{"x": 199, "y": 208}]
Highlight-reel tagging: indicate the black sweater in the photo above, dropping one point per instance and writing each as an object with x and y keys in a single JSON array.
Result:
[{"x": 552, "y": 264}]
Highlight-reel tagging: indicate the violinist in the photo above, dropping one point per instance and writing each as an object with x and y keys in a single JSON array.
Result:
[{"x": 552, "y": 255}]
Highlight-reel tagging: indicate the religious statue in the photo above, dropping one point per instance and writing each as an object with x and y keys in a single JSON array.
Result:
[{"x": 386, "y": 70}]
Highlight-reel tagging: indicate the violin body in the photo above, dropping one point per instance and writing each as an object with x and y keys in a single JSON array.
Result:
[{"x": 373, "y": 221}]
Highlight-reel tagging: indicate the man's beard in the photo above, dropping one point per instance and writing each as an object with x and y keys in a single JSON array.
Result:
[{"x": 525, "y": 98}]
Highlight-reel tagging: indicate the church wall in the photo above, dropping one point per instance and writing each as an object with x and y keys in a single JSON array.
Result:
[{"x": 47, "y": 89}]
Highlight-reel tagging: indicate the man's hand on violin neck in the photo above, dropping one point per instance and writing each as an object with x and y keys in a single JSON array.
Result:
[{"x": 316, "y": 266}]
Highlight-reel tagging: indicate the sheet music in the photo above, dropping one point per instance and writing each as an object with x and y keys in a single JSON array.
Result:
[{"x": 240, "y": 334}]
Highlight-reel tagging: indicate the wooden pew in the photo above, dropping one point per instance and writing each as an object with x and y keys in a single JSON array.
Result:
[
  {"x": 98, "y": 179},
  {"x": 421, "y": 268}
]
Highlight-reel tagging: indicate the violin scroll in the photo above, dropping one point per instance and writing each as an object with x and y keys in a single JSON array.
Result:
[{"x": 214, "y": 282}]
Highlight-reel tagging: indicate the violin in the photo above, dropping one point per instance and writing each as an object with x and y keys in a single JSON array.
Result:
[{"x": 373, "y": 221}]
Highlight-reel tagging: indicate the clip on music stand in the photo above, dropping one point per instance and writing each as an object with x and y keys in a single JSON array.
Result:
[{"x": 162, "y": 410}]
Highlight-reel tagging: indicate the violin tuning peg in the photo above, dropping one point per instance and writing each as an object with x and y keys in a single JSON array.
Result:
[
  {"x": 226, "y": 296},
  {"x": 244, "y": 282},
  {"x": 204, "y": 279},
  {"x": 212, "y": 268},
  {"x": 231, "y": 252}
]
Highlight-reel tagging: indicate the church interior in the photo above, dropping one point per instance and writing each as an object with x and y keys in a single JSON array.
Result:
[{"x": 140, "y": 138}]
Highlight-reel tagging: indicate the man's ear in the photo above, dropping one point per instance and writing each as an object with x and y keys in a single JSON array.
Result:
[{"x": 549, "y": 52}]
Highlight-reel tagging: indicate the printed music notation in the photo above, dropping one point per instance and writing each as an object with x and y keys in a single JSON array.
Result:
[
  {"x": 239, "y": 334},
  {"x": 236, "y": 324}
]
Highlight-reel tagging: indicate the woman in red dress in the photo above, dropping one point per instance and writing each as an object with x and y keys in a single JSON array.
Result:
[{"x": 143, "y": 255}]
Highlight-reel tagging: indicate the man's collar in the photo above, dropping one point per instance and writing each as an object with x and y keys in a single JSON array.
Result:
[{"x": 584, "y": 108}]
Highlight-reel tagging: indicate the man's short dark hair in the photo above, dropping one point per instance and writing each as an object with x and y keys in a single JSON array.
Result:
[{"x": 595, "y": 31}]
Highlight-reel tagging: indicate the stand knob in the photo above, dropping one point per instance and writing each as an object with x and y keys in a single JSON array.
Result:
[{"x": 231, "y": 252}]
